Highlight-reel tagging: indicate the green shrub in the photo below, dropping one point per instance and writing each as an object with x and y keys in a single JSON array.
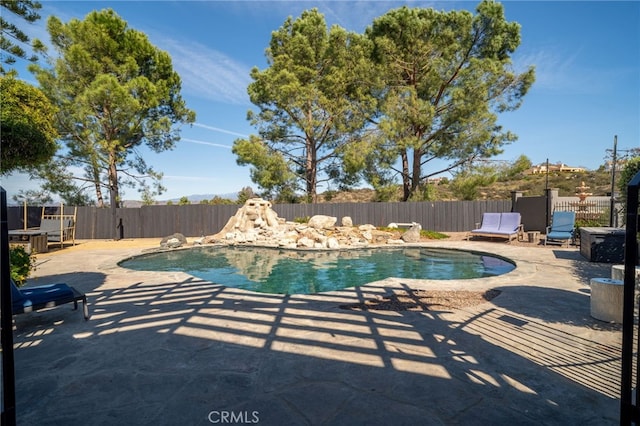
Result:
[
  {"x": 582, "y": 223},
  {"x": 432, "y": 235},
  {"x": 21, "y": 263},
  {"x": 304, "y": 219},
  {"x": 329, "y": 194},
  {"x": 385, "y": 193}
]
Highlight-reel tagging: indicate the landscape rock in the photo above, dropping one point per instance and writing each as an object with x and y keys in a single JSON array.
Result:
[
  {"x": 256, "y": 223},
  {"x": 306, "y": 242},
  {"x": 380, "y": 237},
  {"x": 322, "y": 222},
  {"x": 333, "y": 243},
  {"x": 256, "y": 213},
  {"x": 413, "y": 234},
  {"x": 173, "y": 241},
  {"x": 392, "y": 241}
]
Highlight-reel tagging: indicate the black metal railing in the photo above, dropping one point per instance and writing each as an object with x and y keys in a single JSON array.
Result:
[
  {"x": 8, "y": 416},
  {"x": 592, "y": 212},
  {"x": 630, "y": 405}
]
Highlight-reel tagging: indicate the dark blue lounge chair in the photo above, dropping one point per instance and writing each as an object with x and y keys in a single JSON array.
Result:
[
  {"x": 30, "y": 299},
  {"x": 563, "y": 226}
]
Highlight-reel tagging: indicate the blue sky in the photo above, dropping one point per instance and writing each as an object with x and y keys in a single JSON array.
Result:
[{"x": 586, "y": 53}]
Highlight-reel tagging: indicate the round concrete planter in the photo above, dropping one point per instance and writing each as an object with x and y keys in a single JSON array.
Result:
[{"x": 606, "y": 299}]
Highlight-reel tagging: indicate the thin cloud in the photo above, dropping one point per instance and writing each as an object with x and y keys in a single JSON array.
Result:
[
  {"x": 358, "y": 15},
  {"x": 552, "y": 69},
  {"x": 349, "y": 14},
  {"x": 218, "y": 129},
  {"x": 563, "y": 73},
  {"x": 208, "y": 73},
  {"x": 204, "y": 72},
  {"x": 190, "y": 178},
  {"x": 217, "y": 145}
]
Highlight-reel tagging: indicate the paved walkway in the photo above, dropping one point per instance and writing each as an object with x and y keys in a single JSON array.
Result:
[{"x": 168, "y": 349}]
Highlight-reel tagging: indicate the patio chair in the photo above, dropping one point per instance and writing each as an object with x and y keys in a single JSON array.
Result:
[
  {"x": 30, "y": 299},
  {"x": 563, "y": 225},
  {"x": 501, "y": 225},
  {"x": 488, "y": 226},
  {"x": 510, "y": 225}
]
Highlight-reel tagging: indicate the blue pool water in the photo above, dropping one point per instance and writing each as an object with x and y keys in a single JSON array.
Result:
[{"x": 279, "y": 271}]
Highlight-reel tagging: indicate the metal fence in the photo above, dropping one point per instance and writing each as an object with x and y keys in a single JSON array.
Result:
[
  {"x": 195, "y": 220},
  {"x": 592, "y": 212}
]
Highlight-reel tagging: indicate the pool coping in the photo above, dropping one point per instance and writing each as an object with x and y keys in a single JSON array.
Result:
[{"x": 419, "y": 283}]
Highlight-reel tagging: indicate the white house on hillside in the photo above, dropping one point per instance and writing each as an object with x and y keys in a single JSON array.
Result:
[{"x": 558, "y": 167}]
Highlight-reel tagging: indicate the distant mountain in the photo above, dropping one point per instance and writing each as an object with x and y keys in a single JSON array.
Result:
[
  {"x": 131, "y": 204},
  {"x": 194, "y": 199}
]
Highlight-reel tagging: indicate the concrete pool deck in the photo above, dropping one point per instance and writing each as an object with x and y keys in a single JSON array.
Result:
[{"x": 166, "y": 348}]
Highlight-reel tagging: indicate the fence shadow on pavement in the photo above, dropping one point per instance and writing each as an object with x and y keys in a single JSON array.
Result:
[{"x": 172, "y": 352}]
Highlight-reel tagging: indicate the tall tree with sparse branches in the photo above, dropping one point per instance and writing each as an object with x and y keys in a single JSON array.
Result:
[
  {"x": 446, "y": 77},
  {"x": 311, "y": 102},
  {"x": 115, "y": 91}
]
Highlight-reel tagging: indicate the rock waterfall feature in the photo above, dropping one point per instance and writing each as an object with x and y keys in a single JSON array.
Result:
[{"x": 256, "y": 223}]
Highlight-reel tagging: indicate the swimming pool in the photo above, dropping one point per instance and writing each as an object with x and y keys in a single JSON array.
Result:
[{"x": 280, "y": 271}]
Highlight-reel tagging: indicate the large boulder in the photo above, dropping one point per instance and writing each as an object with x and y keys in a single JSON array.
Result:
[
  {"x": 413, "y": 234},
  {"x": 322, "y": 222},
  {"x": 255, "y": 223},
  {"x": 333, "y": 243},
  {"x": 306, "y": 242},
  {"x": 255, "y": 214},
  {"x": 173, "y": 241}
]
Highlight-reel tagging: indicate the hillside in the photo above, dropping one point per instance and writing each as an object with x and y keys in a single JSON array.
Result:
[{"x": 599, "y": 183}]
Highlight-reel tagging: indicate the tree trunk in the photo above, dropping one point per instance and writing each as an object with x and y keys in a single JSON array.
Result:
[
  {"x": 114, "y": 214},
  {"x": 311, "y": 170},
  {"x": 95, "y": 172},
  {"x": 406, "y": 178},
  {"x": 99, "y": 195},
  {"x": 114, "y": 195},
  {"x": 417, "y": 171}
]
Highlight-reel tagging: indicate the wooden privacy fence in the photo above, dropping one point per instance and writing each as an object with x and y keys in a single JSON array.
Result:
[{"x": 195, "y": 220}]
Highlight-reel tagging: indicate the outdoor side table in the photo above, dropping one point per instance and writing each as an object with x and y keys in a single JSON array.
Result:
[
  {"x": 31, "y": 239},
  {"x": 533, "y": 236}
]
